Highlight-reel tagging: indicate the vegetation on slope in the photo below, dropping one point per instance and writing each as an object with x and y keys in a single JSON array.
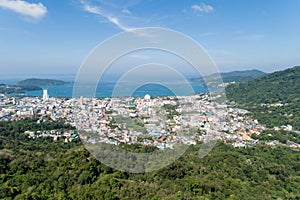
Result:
[
  {"x": 40, "y": 82},
  {"x": 16, "y": 89},
  {"x": 235, "y": 76},
  {"x": 274, "y": 99},
  {"x": 43, "y": 169}
]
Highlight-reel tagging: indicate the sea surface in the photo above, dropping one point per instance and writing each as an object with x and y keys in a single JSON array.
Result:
[{"x": 106, "y": 88}]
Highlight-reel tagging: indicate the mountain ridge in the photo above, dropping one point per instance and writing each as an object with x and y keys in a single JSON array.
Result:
[
  {"x": 213, "y": 80},
  {"x": 274, "y": 99},
  {"x": 40, "y": 82}
]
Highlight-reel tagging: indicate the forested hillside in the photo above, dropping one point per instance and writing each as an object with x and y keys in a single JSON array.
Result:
[
  {"x": 274, "y": 99},
  {"x": 40, "y": 82},
  {"x": 44, "y": 169},
  {"x": 16, "y": 89}
]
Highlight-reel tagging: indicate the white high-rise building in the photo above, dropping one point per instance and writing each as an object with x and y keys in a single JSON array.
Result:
[
  {"x": 14, "y": 101},
  {"x": 81, "y": 101},
  {"x": 45, "y": 95}
]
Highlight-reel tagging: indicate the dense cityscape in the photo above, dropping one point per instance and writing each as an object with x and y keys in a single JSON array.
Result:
[{"x": 158, "y": 121}]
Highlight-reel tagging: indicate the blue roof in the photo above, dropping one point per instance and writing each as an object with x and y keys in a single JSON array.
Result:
[{"x": 155, "y": 134}]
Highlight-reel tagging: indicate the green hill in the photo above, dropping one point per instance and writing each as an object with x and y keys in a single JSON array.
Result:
[
  {"x": 17, "y": 89},
  {"x": 40, "y": 82},
  {"x": 238, "y": 76},
  {"x": 43, "y": 169},
  {"x": 234, "y": 76},
  {"x": 274, "y": 99}
]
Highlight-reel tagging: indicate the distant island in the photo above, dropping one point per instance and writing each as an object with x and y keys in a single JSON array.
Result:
[
  {"x": 26, "y": 85},
  {"x": 40, "y": 82}
]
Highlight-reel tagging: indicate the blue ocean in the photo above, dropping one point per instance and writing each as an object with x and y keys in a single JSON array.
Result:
[{"x": 106, "y": 88}]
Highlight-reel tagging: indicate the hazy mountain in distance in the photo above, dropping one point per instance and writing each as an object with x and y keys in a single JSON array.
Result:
[
  {"x": 234, "y": 76},
  {"x": 40, "y": 82}
]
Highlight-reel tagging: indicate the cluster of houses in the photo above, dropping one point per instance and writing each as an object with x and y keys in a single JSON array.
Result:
[
  {"x": 160, "y": 121},
  {"x": 68, "y": 135},
  {"x": 143, "y": 120}
]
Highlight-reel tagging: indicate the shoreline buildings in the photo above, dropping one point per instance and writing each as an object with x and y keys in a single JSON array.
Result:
[{"x": 159, "y": 121}]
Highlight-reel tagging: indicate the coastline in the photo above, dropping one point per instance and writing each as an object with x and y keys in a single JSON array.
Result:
[{"x": 105, "y": 90}]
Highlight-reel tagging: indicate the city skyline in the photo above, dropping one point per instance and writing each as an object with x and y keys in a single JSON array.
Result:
[{"x": 47, "y": 37}]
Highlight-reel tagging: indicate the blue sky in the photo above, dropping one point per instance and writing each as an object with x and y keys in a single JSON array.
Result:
[{"x": 48, "y": 36}]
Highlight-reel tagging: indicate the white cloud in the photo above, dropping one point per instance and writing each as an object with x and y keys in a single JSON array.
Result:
[
  {"x": 33, "y": 10},
  {"x": 91, "y": 9},
  {"x": 126, "y": 11},
  {"x": 116, "y": 12},
  {"x": 116, "y": 21},
  {"x": 203, "y": 8},
  {"x": 97, "y": 10}
]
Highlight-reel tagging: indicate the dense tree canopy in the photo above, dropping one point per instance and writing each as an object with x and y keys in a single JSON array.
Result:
[
  {"x": 261, "y": 95},
  {"x": 44, "y": 169}
]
